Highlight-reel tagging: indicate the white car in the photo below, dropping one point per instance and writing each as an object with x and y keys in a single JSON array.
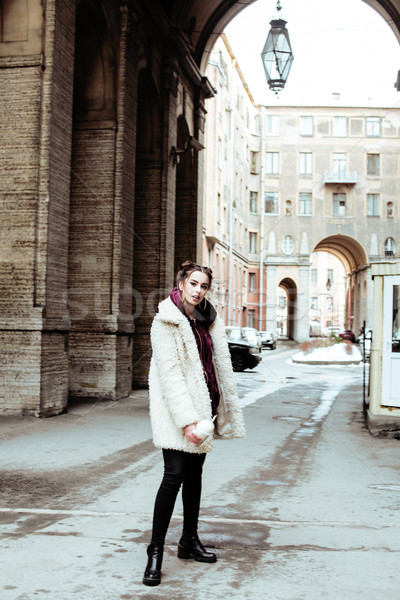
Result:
[{"x": 268, "y": 340}]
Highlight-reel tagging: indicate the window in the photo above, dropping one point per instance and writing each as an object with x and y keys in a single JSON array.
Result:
[
  {"x": 314, "y": 276},
  {"x": 306, "y": 125},
  {"x": 252, "y": 282},
  {"x": 305, "y": 163},
  {"x": 253, "y": 162},
  {"x": 329, "y": 275},
  {"x": 273, "y": 125},
  {"x": 288, "y": 208},
  {"x": 272, "y": 166},
  {"x": 373, "y": 126},
  {"x": 373, "y": 205},
  {"x": 372, "y": 164},
  {"x": 314, "y": 302},
  {"x": 271, "y": 203},
  {"x": 339, "y": 127},
  {"x": 389, "y": 210},
  {"x": 251, "y": 317},
  {"x": 339, "y": 205},
  {"x": 390, "y": 247},
  {"x": 305, "y": 203},
  {"x": 253, "y": 202},
  {"x": 253, "y": 242},
  {"x": 219, "y": 152},
  {"x": 287, "y": 245},
  {"x": 339, "y": 165}
]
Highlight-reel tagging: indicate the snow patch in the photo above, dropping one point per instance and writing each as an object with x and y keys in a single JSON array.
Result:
[{"x": 338, "y": 353}]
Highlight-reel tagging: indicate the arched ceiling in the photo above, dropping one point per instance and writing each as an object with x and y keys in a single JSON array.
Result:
[
  {"x": 350, "y": 252},
  {"x": 289, "y": 286},
  {"x": 202, "y": 21}
]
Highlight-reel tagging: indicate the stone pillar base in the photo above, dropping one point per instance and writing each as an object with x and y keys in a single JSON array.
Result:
[
  {"x": 383, "y": 425},
  {"x": 33, "y": 373},
  {"x": 100, "y": 365}
]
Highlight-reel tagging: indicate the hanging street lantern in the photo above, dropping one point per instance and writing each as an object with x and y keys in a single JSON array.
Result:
[{"x": 277, "y": 55}]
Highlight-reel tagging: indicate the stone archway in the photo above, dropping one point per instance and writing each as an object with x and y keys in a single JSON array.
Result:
[
  {"x": 290, "y": 288},
  {"x": 358, "y": 290},
  {"x": 202, "y": 22},
  {"x": 348, "y": 250}
]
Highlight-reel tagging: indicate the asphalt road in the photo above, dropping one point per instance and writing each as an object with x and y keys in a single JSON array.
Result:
[{"x": 304, "y": 507}]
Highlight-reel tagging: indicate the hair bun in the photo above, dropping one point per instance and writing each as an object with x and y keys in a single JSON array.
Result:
[{"x": 186, "y": 264}]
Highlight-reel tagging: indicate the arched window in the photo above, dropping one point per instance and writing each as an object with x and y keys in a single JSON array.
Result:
[
  {"x": 287, "y": 245},
  {"x": 390, "y": 247}
]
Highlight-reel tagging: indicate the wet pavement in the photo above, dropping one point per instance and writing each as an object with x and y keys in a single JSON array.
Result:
[{"x": 306, "y": 506}]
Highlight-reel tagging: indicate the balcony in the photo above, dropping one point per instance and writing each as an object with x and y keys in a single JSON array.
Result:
[{"x": 341, "y": 177}]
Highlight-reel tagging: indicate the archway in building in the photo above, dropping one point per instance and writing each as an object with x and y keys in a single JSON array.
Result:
[
  {"x": 204, "y": 21},
  {"x": 327, "y": 294},
  {"x": 287, "y": 311},
  {"x": 348, "y": 250},
  {"x": 353, "y": 292}
]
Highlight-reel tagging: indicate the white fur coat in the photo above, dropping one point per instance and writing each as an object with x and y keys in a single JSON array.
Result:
[{"x": 178, "y": 391}]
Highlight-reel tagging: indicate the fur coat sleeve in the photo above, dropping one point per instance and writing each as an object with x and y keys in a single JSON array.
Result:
[{"x": 178, "y": 391}]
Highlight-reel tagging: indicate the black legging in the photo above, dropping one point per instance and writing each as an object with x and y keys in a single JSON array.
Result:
[{"x": 179, "y": 467}]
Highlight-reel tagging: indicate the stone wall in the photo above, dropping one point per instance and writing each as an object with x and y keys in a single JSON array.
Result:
[{"x": 88, "y": 195}]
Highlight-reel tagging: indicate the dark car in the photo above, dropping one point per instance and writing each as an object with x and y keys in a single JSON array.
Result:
[
  {"x": 268, "y": 340},
  {"x": 244, "y": 353}
]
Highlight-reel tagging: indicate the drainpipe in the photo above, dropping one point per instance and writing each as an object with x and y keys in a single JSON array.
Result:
[
  {"x": 262, "y": 169},
  {"x": 231, "y": 198}
]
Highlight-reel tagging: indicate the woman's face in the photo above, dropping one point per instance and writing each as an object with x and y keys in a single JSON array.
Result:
[{"x": 194, "y": 288}]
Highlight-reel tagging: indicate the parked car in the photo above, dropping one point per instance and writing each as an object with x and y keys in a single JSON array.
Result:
[
  {"x": 268, "y": 339},
  {"x": 253, "y": 335},
  {"x": 245, "y": 354},
  {"x": 348, "y": 336}
]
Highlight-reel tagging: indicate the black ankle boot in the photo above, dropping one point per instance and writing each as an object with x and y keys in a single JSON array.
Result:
[
  {"x": 191, "y": 546},
  {"x": 152, "y": 574}
]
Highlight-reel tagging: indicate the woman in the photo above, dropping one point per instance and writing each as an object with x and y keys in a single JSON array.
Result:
[{"x": 190, "y": 379}]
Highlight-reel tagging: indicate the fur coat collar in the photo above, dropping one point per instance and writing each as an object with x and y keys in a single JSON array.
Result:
[{"x": 178, "y": 391}]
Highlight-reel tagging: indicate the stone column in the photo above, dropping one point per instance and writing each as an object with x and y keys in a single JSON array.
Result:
[
  {"x": 36, "y": 84},
  {"x": 301, "y": 325},
  {"x": 123, "y": 238},
  {"x": 369, "y": 301},
  {"x": 270, "y": 276}
]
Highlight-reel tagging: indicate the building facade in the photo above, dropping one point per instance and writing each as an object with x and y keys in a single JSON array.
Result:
[
  {"x": 331, "y": 183},
  {"x": 232, "y": 178},
  {"x": 304, "y": 180},
  {"x": 102, "y": 116}
]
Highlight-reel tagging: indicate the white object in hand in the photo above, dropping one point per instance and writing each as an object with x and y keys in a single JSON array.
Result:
[{"x": 204, "y": 428}]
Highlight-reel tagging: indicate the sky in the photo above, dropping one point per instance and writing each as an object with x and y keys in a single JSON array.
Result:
[{"x": 340, "y": 47}]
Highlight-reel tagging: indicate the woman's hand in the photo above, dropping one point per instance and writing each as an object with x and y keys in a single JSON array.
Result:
[{"x": 190, "y": 435}]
